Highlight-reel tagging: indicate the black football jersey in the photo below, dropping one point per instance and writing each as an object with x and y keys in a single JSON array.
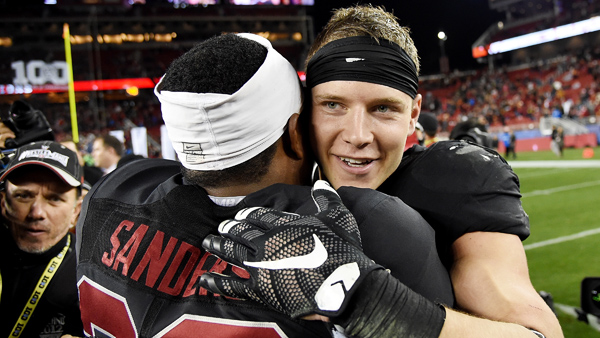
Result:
[
  {"x": 460, "y": 187},
  {"x": 140, "y": 255}
]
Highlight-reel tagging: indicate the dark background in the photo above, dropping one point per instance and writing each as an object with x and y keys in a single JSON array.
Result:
[{"x": 463, "y": 21}]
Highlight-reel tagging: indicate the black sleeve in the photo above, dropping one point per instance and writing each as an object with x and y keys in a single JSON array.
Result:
[
  {"x": 397, "y": 237},
  {"x": 459, "y": 188}
]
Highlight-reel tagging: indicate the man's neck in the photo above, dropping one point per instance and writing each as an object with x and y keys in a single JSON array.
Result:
[{"x": 282, "y": 173}]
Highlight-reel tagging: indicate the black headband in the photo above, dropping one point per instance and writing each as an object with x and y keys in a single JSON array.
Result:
[{"x": 361, "y": 58}]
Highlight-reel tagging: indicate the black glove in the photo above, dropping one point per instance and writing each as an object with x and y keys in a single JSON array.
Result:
[{"x": 298, "y": 265}]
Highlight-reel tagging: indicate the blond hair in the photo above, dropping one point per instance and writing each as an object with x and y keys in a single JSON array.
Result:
[{"x": 365, "y": 20}]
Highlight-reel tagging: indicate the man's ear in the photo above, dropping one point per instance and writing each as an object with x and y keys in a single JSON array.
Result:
[
  {"x": 295, "y": 147},
  {"x": 111, "y": 150},
  {"x": 414, "y": 113},
  {"x": 76, "y": 211}
]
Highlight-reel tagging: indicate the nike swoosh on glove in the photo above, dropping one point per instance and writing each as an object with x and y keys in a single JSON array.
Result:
[{"x": 298, "y": 265}]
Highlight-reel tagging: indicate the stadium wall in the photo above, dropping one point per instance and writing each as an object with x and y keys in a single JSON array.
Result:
[{"x": 543, "y": 143}]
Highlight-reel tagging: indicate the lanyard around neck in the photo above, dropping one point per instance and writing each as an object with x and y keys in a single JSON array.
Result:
[{"x": 41, "y": 286}]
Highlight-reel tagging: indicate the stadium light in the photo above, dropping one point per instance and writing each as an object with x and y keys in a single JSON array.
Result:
[
  {"x": 444, "y": 65},
  {"x": 532, "y": 39}
]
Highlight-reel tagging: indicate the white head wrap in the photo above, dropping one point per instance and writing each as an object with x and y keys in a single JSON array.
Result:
[{"x": 217, "y": 131}]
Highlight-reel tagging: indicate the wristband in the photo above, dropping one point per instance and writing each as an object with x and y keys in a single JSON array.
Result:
[{"x": 383, "y": 307}]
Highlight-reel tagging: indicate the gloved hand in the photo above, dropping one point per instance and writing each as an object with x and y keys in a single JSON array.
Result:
[{"x": 298, "y": 265}]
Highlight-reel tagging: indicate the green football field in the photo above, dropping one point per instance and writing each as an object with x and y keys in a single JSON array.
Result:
[{"x": 563, "y": 203}]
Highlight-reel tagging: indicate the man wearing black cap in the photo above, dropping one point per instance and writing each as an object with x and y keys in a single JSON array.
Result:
[
  {"x": 429, "y": 123},
  {"x": 40, "y": 199}
]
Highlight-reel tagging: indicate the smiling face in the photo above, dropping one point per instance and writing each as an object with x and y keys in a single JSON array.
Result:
[
  {"x": 39, "y": 208},
  {"x": 359, "y": 130}
]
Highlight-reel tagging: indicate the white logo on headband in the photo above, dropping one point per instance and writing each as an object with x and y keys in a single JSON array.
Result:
[
  {"x": 192, "y": 148},
  {"x": 354, "y": 59},
  {"x": 193, "y": 153},
  {"x": 194, "y": 159},
  {"x": 45, "y": 153}
]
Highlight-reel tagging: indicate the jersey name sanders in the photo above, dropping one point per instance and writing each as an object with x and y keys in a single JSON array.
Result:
[{"x": 161, "y": 262}]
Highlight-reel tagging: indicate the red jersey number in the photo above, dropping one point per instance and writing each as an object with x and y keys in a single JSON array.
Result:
[{"x": 105, "y": 311}]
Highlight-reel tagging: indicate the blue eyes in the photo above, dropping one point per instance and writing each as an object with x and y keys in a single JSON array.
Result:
[
  {"x": 383, "y": 109},
  {"x": 380, "y": 108}
]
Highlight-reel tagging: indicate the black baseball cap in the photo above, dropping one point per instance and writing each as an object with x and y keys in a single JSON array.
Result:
[
  {"x": 52, "y": 155},
  {"x": 428, "y": 121}
]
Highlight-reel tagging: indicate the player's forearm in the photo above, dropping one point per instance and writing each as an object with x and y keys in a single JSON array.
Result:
[
  {"x": 385, "y": 308},
  {"x": 511, "y": 304},
  {"x": 491, "y": 281},
  {"x": 465, "y": 326},
  {"x": 516, "y": 303},
  {"x": 508, "y": 315}
]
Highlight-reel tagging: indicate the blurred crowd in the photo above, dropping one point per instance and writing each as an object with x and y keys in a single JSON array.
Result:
[{"x": 566, "y": 86}]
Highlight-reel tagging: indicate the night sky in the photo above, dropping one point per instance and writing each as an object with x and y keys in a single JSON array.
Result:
[{"x": 463, "y": 21}]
